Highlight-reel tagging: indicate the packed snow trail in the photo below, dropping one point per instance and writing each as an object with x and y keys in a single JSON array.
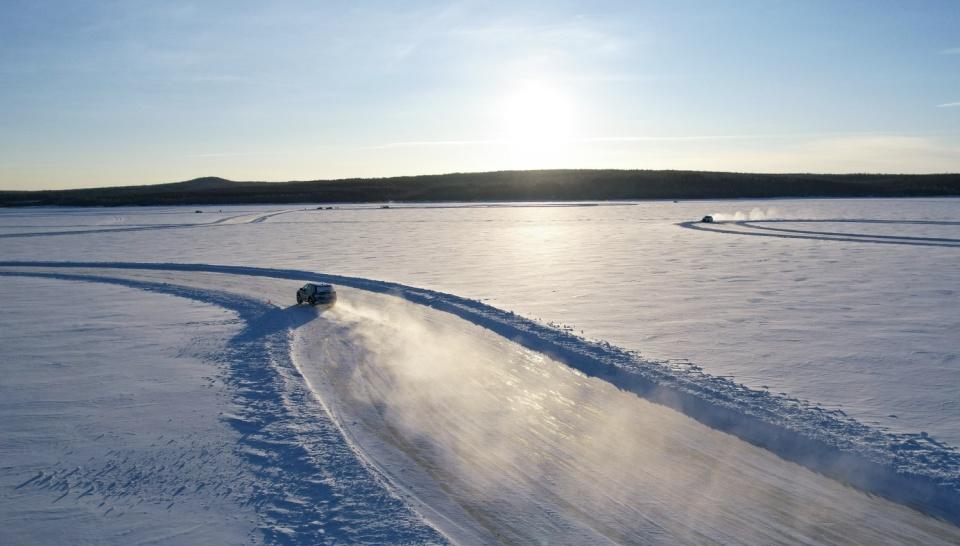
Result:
[
  {"x": 494, "y": 443},
  {"x": 501, "y": 439}
]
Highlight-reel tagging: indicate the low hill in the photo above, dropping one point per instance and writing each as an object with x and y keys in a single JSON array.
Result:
[
  {"x": 198, "y": 184},
  {"x": 543, "y": 185}
]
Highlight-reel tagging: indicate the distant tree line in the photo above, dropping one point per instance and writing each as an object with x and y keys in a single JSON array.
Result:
[{"x": 543, "y": 185}]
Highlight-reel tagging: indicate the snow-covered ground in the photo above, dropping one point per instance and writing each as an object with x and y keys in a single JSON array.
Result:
[
  {"x": 462, "y": 433},
  {"x": 97, "y": 440},
  {"x": 140, "y": 418}
]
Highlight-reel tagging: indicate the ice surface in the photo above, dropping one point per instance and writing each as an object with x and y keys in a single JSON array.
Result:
[
  {"x": 862, "y": 327},
  {"x": 853, "y": 309}
]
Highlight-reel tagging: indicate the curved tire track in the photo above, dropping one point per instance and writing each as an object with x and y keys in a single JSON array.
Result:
[{"x": 787, "y": 233}]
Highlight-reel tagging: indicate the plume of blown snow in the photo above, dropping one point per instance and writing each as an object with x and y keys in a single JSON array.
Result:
[
  {"x": 754, "y": 214},
  {"x": 510, "y": 433}
]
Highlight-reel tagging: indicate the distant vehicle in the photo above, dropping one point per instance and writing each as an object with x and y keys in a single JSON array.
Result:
[
  {"x": 707, "y": 220},
  {"x": 316, "y": 294}
]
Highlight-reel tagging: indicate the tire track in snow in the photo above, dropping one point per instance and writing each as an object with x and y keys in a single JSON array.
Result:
[
  {"x": 253, "y": 219},
  {"x": 754, "y": 230},
  {"x": 753, "y": 224},
  {"x": 311, "y": 486},
  {"x": 913, "y": 469},
  {"x": 266, "y": 217}
]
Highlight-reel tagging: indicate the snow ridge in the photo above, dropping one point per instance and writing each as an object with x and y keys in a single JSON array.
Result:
[
  {"x": 913, "y": 469},
  {"x": 307, "y": 488}
]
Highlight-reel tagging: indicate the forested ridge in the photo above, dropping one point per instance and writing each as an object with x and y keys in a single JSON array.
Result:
[{"x": 538, "y": 185}]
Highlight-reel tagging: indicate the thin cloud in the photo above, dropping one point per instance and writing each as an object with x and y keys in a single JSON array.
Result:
[
  {"x": 215, "y": 155},
  {"x": 649, "y": 138},
  {"x": 578, "y": 35},
  {"x": 435, "y": 144},
  {"x": 949, "y": 105},
  {"x": 951, "y": 51},
  {"x": 505, "y": 141},
  {"x": 715, "y": 137},
  {"x": 670, "y": 138}
]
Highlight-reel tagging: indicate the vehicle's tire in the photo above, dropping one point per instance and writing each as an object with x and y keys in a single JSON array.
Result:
[
  {"x": 299, "y": 299},
  {"x": 312, "y": 301}
]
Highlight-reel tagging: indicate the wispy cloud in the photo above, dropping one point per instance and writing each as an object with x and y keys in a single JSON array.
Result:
[
  {"x": 949, "y": 105},
  {"x": 951, "y": 51},
  {"x": 215, "y": 155},
  {"x": 579, "y": 35},
  {"x": 436, "y": 144},
  {"x": 506, "y": 141},
  {"x": 654, "y": 138},
  {"x": 595, "y": 140}
]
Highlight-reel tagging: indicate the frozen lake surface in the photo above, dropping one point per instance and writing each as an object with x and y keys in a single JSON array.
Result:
[
  {"x": 849, "y": 304},
  {"x": 866, "y": 324}
]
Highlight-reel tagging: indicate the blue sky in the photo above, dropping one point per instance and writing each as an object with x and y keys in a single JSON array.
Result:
[{"x": 132, "y": 92}]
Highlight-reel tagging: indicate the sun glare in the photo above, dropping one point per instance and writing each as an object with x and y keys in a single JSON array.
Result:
[{"x": 536, "y": 122}]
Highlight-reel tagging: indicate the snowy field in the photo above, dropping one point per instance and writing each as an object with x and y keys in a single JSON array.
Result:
[{"x": 191, "y": 403}]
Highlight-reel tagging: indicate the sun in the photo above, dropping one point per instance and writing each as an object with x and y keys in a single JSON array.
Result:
[{"x": 536, "y": 123}]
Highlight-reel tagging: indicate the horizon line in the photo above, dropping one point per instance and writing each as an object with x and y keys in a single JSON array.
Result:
[{"x": 454, "y": 173}]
